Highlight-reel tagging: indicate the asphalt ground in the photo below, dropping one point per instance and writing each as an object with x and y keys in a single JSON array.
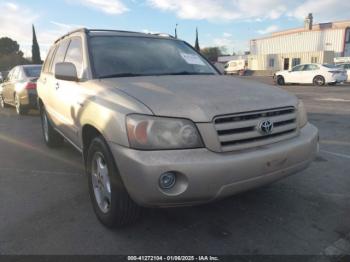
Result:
[{"x": 45, "y": 207}]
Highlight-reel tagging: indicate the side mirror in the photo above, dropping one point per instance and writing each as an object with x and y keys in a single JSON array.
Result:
[{"x": 66, "y": 71}]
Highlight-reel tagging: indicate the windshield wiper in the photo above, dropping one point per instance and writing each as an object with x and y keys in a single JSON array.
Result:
[
  {"x": 120, "y": 75},
  {"x": 187, "y": 73}
]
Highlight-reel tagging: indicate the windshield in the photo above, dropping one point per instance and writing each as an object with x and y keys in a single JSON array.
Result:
[
  {"x": 115, "y": 56},
  {"x": 33, "y": 71}
]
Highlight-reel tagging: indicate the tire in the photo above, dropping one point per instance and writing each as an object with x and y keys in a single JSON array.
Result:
[
  {"x": 20, "y": 109},
  {"x": 280, "y": 81},
  {"x": 319, "y": 81},
  {"x": 51, "y": 137},
  {"x": 2, "y": 102},
  {"x": 110, "y": 199}
]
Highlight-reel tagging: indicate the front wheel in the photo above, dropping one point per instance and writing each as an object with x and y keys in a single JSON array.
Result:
[
  {"x": 111, "y": 201},
  {"x": 51, "y": 137},
  {"x": 319, "y": 81},
  {"x": 280, "y": 80}
]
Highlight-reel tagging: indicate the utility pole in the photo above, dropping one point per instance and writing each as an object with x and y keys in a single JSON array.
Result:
[{"x": 176, "y": 31}]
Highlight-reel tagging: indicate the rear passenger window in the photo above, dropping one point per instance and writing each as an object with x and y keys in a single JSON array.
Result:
[
  {"x": 74, "y": 54},
  {"x": 59, "y": 56},
  {"x": 48, "y": 59}
]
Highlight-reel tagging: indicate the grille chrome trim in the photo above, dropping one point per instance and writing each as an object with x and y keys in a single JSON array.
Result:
[{"x": 240, "y": 131}]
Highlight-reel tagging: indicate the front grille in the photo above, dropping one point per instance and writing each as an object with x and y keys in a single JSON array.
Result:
[{"x": 241, "y": 131}]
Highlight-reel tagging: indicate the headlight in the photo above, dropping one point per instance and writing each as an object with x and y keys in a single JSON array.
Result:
[
  {"x": 157, "y": 133},
  {"x": 302, "y": 115}
]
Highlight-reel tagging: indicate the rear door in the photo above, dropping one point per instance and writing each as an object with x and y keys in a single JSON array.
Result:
[
  {"x": 5, "y": 86},
  {"x": 308, "y": 73},
  {"x": 67, "y": 94},
  {"x": 51, "y": 84},
  {"x": 10, "y": 85}
]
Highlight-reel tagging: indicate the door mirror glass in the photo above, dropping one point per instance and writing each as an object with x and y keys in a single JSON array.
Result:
[{"x": 66, "y": 71}]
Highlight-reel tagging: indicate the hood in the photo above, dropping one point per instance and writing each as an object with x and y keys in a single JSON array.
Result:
[{"x": 201, "y": 98}]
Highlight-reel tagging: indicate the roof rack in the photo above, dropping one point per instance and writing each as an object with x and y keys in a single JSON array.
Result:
[
  {"x": 85, "y": 30},
  {"x": 163, "y": 34}
]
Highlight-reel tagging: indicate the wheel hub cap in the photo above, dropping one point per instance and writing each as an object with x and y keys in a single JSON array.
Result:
[{"x": 100, "y": 182}]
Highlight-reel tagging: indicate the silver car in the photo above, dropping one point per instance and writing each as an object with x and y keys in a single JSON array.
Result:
[
  {"x": 158, "y": 126},
  {"x": 19, "y": 88}
]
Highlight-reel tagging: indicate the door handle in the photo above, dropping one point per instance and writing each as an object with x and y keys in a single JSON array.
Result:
[{"x": 57, "y": 85}]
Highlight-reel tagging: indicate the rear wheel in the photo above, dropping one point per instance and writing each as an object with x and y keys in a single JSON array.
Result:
[
  {"x": 319, "y": 81},
  {"x": 51, "y": 137},
  {"x": 20, "y": 109},
  {"x": 111, "y": 201},
  {"x": 280, "y": 80}
]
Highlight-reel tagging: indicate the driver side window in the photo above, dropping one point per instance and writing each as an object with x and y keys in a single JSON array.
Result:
[{"x": 298, "y": 68}]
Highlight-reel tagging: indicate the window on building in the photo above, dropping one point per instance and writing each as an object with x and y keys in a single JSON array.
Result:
[
  {"x": 295, "y": 62},
  {"x": 314, "y": 59},
  {"x": 272, "y": 62},
  {"x": 347, "y": 38}
]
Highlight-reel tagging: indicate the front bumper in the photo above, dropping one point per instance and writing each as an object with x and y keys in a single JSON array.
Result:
[{"x": 203, "y": 176}]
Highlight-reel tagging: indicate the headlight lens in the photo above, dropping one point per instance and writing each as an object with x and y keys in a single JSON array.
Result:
[
  {"x": 302, "y": 115},
  {"x": 159, "y": 133}
]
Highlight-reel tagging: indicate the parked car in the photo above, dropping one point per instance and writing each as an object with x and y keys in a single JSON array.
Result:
[
  {"x": 316, "y": 74},
  {"x": 158, "y": 126},
  {"x": 235, "y": 67},
  {"x": 346, "y": 67},
  {"x": 19, "y": 88}
]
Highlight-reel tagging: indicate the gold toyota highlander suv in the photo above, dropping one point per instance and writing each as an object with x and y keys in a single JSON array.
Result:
[{"x": 158, "y": 126}]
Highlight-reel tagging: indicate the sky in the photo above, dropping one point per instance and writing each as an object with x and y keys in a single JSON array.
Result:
[{"x": 227, "y": 23}]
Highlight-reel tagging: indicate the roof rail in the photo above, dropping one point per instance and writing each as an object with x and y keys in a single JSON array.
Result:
[
  {"x": 85, "y": 30},
  {"x": 111, "y": 30},
  {"x": 163, "y": 34}
]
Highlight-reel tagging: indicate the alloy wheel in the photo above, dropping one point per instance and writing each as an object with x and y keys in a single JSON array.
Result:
[
  {"x": 45, "y": 127},
  {"x": 101, "y": 182}
]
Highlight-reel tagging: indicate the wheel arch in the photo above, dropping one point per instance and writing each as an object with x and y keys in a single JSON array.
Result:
[{"x": 88, "y": 133}]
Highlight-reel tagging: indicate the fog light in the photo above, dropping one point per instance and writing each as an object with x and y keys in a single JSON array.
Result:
[{"x": 167, "y": 180}]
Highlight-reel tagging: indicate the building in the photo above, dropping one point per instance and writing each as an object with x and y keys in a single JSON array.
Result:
[{"x": 314, "y": 43}]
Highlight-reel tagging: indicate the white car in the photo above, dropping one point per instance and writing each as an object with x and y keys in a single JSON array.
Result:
[
  {"x": 346, "y": 67},
  {"x": 234, "y": 66},
  {"x": 311, "y": 74}
]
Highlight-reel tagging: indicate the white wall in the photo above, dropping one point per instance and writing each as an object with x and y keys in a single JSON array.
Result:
[{"x": 307, "y": 41}]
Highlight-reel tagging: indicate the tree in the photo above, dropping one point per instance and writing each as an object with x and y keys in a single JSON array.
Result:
[
  {"x": 8, "y": 46},
  {"x": 36, "y": 59},
  {"x": 10, "y": 55},
  {"x": 212, "y": 53},
  {"x": 196, "y": 45}
]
